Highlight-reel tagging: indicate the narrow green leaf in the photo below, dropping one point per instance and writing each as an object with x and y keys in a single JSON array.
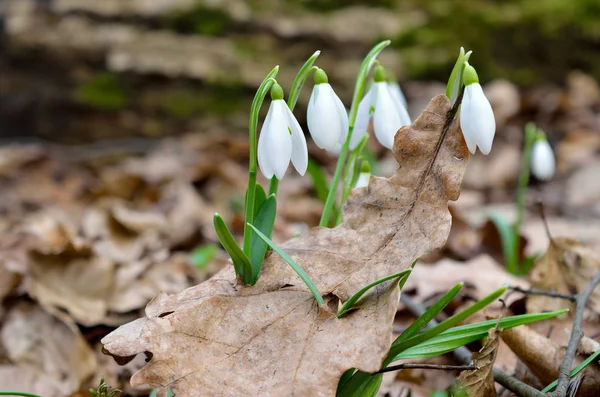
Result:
[
  {"x": 311, "y": 286},
  {"x": 264, "y": 222},
  {"x": 241, "y": 263},
  {"x": 17, "y": 393},
  {"x": 259, "y": 199},
  {"x": 354, "y": 298},
  {"x": 301, "y": 77},
  {"x": 444, "y": 325},
  {"x": 455, "y": 337},
  {"x": 346, "y": 376},
  {"x": 361, "y": 384},
  {"x": 203, "y": 255},
  {"x": 429, "y": 315},
  {"x": 509, "y": 249},
  {"x": 575, "y": 370},
  {"x": 405, "y": 279}
]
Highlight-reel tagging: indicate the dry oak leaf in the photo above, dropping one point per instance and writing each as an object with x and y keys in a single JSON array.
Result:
[
  {"x": 480, "y": 382},
  {"x": 271, "y": 339},
  {"x": 567, "y": 267}
]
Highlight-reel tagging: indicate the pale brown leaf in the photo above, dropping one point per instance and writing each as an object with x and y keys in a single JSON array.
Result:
[
  {"x": 221, "y": 338},
  {"x": 480, "y": 382}
]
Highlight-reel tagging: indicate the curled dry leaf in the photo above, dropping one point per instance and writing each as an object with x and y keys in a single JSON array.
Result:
[
  {"x": 48, "y": 355},
  {"x": 567, "y": 267},
  {"x": 220, "y": 338},
  {"x": 480, "y": 382}
]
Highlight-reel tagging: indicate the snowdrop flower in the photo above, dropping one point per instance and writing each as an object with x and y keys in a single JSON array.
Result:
[
  {"x": 364, "y": 175},
  {"x": 542, "y": 159},
  {"x": 378, "y": 104},
  {"x": 476, "y": 115},
  {"x": 281, "y": 139},
  {"x": 327, "y": 118}
]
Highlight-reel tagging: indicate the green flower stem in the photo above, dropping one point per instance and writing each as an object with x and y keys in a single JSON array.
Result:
[
  {"x": 359, "y": 90},
  {"x": 262, "y": 91},
  {"x": 530, "y": 135},
  {"x": 351, "y": 174},
  {"x": 273, "y": 186}
]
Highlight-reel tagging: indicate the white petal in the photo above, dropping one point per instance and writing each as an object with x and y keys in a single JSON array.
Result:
[
  {"x": 386, "y": 119},
  {"x": 397, "y": 94},
  {"x": 324, "y": 125},
  {"x": 299, "y": 149},
  {"x": 278, "y": 145},
  {"x": 465, "y": 122},
  {"x": 337, "y": 149},
  {"x": 363, "y": 179},
  {"x": 263, "y": 157},
  {"x": 343, "y": 116},
  {"x": 363, "y": 116},
  {"x": 479, "y": 118},
  {"x": 542, "y": 160}
]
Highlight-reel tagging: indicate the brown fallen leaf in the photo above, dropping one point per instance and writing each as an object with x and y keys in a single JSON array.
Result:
[
  {"x": 220, "y": 338},
  {"x": 48, "y": 355},
  {"x": 567, "y": 267},
  {"x": 480, "y": 382},
  {"x": 543, "y": 357}
]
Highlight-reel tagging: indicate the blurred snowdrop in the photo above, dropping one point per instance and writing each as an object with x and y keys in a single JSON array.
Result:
[
  {"x": 476, "y": 115},
  {"x": 281, "y": 139},
  {"x": 327, "y": 118},
  {"x": 387, "y": 113},
  {"x": 364, "y": 176},
  {"x": 542, "y": 159}
]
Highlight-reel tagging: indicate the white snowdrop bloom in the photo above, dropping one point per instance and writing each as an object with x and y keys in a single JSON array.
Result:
[
  {"x": 388, "y": 115},
  {"x": 281, "y": 140},
  {"x": 327, "y": 118},
  {"x": 477, "y": 120},
  {"x": 397, "y": 94},
  {"x": 363, "y": 179},
  {"x": 542, "y": 160}
]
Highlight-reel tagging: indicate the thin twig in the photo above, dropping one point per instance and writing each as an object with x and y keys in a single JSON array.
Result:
[
  {"x": 534, "y": 291},
  {"x": 464, "y": 355},
  {"x": 427, "y": 366},
  {"x": 576, "y": 335}
]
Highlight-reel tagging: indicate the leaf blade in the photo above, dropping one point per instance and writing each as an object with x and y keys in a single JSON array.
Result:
[{"x": 241, "y": 263}]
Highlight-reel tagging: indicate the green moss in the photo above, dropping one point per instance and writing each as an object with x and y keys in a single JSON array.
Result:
[
  {"x": 184, "y": 102},
  {"x": 103, "y": 91},
  {"x": 526, "y": 41},
  {"x": 198, "y": 20}
]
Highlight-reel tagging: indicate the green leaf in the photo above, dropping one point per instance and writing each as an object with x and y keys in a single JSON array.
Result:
[
  {"x": 264, "y": 222},
  {"x": 405, "y": 279},
  {"x": 16, "y": 393},
  {"x": 259, "y": 199},
  {"x": 241, "y": 263},
  {"x": 444, "y": 325},
  {"x": 346, "y": 376},
  {"x": 201, "y": 256},
  {"x": 354, "y": 298},
  {"x": 311, "y": 286},
  {"x": 429, "y": 315},
  {"x": 453, "y": 338},
  {"x": 509, "y": 249},
  {"x": 361, "y": 384},
  {"x": 575, "y": 370},
  {"x": 319, "y": 180},
  {"x": 301, "y": 77}
]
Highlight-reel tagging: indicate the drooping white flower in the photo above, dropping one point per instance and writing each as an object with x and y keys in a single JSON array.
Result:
[
  {"x": 477, "y": 120},
  {"x": 281, "y": 140},
  {"x": 364, "y": 175},
  {"x": 327, "y": 118},
  {"x": 378, "y": 104},
  {"x": 542, "y": 160}
]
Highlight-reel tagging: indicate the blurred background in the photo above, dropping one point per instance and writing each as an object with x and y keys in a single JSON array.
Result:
[
  {"x": 123, "y": 128},
  {"x": 75, "y": 71}
]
